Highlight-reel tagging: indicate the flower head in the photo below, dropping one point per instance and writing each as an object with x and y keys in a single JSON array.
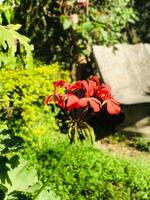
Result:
[
  {"x": 80, "y": 100},
  {"x": 89, "y": 95}
]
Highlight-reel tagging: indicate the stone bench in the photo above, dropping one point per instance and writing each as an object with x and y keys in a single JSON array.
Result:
[{"x": 126, "y": 68}]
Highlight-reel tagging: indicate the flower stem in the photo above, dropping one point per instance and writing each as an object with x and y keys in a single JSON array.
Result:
[{"x": 53, "y": 172}]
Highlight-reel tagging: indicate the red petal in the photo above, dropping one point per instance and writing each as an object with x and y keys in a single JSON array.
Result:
[
  {"x": 105, "y": 92},
  {"x": 72, "y": 101},
  {"x": 48, "y": 99},
  {"x": 85, "y": 85},
  {"x": 108, "y": 88},
  {"x": 102, "y": 94},
  {"x": 92, "y": 87},
  {"x": 95, "y": 104},
  {"x": 60, "y": 83},
  {"x": 96, "y": 79},
  {"x": 113, "y": 108},
  {"x": 114, "y": 101},
  {"x": 83, "y": 102},
  {"x": 74, "y": 86},
  {"x": 60, "y": 101}
]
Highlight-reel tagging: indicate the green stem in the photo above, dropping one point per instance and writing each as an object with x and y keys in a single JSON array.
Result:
[{"x": 53, "y": 172}]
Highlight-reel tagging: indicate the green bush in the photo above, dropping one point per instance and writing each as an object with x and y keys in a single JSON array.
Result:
[
  {"x": 87, "y": 173},
  {"x": 142, "y": 144},
  {"x": 22, "y": 93}
]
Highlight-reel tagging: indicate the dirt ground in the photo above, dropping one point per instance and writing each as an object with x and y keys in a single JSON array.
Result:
[{"x": 122, "y": 149}]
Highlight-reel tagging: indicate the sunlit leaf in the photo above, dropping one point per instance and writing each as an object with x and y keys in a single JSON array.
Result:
[{"x": 48, "y": 194}]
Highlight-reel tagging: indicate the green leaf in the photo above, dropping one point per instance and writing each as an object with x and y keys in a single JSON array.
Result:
[
  {"x": 14, "y": 27},
  {"x": 9, "y": 41},
  {"x": 66, "y": 24},
  {"x": 87, "y": 26},
  {"x": 48, "y": 194},
  {"x": 91, "y": 133},
  {"x": 22, "y": 178}
]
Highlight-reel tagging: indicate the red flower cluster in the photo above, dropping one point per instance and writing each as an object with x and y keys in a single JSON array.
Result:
[{"x": 90, "y": 94}]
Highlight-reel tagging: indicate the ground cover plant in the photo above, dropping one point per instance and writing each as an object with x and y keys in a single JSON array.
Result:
[{"x": 88, "y": 173}]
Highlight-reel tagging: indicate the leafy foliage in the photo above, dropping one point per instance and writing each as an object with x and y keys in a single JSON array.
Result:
[
  {"x": 67, "y": 30},
  {"x": 7, "y": 10},
  {"x": 15, "y": 50},
  {"x": 19, "y": 179},
  {"x": 48, "y": 194},
  {"x": 22, "y": 94}
]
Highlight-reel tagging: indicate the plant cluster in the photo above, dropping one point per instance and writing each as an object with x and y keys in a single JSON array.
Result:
[
  {"x": 80, "y": 100},
  {"x": 21, "y": 95}
]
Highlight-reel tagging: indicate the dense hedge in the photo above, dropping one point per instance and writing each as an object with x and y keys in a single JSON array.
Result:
[
  {"x": 88, "y": 173},
  {"x": 22, "y": 93}
]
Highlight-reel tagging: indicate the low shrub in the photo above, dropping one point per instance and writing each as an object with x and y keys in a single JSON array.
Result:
[
  {"x": 88, "y": 173},
  {"x": 142, "y": 144},
  {"x": 21, "y": 94}
]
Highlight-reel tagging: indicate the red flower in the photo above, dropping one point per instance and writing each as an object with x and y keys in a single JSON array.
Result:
[
  {"x": 91, "y": 86},
  {"x": 89, "y": 94},
  {"x": 55, "y": 96},
  {"x": 97, "y": 81},
  {"x": 111, "y": 104}
]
